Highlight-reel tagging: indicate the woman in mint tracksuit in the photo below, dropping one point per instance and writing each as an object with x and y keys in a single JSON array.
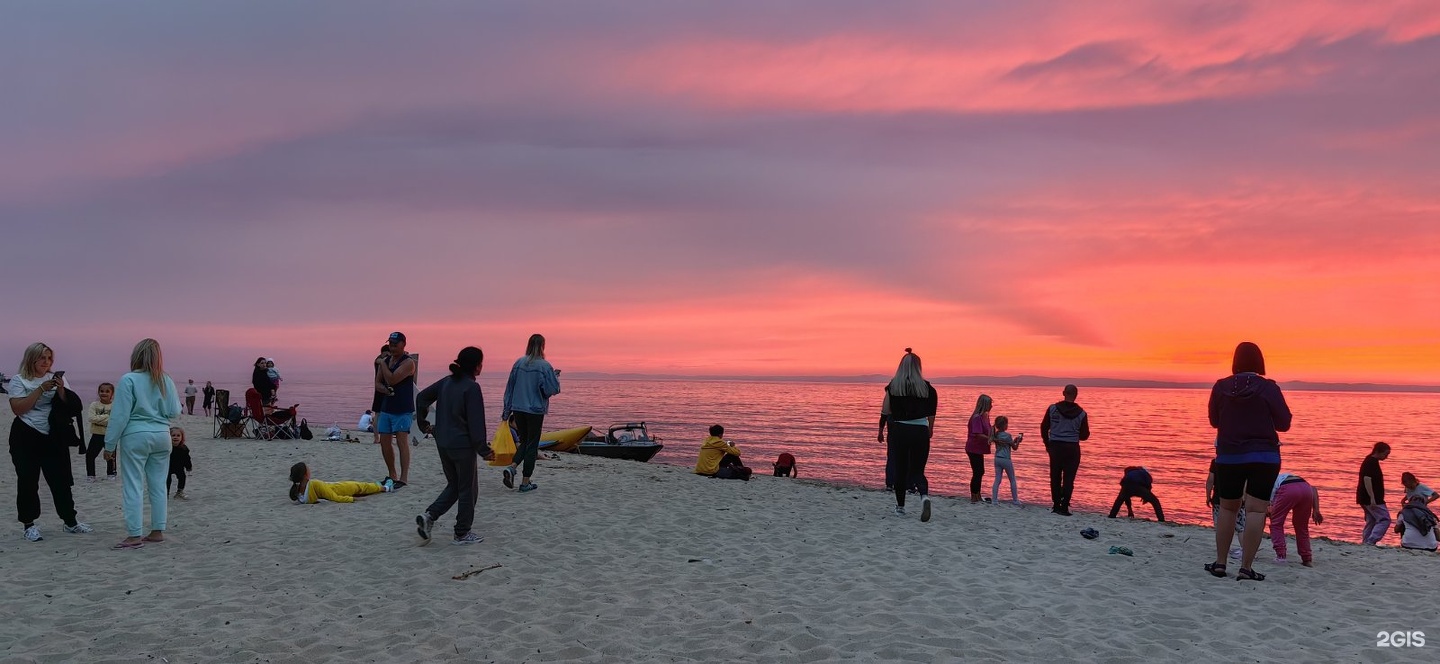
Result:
[
  {"x": 528, "y": 390},
  {"x": 145, "y": 401}
]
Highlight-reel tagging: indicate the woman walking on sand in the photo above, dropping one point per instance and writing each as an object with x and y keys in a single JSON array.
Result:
[
  {"x": 977, "y": 444},
  {"x": 145, "y": 402},
  {"x": 1248, "y": 412},
  {"x": 908, "y": 415},
  {"x": 528, "y": 390}
]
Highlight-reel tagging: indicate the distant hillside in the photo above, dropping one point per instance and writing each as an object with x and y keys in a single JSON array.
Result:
[{"x": 1018, "y": 381}]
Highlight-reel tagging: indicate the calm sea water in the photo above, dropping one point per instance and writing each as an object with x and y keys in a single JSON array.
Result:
[{"x": 831, "y": 427}]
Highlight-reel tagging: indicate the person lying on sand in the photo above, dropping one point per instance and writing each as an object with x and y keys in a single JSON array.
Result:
[{"x": 305, "y": 491}]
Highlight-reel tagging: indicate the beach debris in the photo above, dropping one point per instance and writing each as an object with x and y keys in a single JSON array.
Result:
[
  {"x": 699, "y": 560},
  {"x": 465, "y": 575},
  {"x": 1089, "y": 533},
  {"x": 1122, "y": 550}
]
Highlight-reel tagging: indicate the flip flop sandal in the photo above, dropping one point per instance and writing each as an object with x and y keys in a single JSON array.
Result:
[
  {"x": 1248, "y": 574},
  {"x": 1216, "y": 569},
  {"x": 152, "y": 541},
  {"x": 122, "y": 545}
]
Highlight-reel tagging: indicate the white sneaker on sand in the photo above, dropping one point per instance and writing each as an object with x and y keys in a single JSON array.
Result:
[
  {"x": 468, "y": 538},
  {"x": 1280, "y": 560},
  {"x": 925, "y": 509},
  {"x": 899, "y": 511},
  {"x": 79, "y": 527},
  {"x": 1236, "y": 552},
  {"x": 423, "y": 525},
  {"x": 32, "y": 533}
]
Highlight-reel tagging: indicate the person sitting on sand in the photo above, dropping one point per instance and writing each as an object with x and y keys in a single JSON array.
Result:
[
  {"x": 1416, "y": 525},
  {"x": 1137, "y": 483},
  {"x": 305, "y": 491},
  {"x": 1414, "y": 488},
  {"x": 717, "y": 454}
]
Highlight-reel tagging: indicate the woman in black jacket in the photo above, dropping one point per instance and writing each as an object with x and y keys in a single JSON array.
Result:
[
  {"x": 260, "y": 380},
  {"x": 908, "y": 415}
]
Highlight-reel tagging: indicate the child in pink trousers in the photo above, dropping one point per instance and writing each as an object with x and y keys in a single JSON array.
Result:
[{"x": 1293, "y": 495}]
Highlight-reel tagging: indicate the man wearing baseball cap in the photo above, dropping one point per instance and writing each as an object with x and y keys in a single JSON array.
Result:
[{"x": 397, "y": 411}]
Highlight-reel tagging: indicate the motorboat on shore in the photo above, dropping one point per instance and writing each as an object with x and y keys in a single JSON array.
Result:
[{"x": 630, "y": 440}]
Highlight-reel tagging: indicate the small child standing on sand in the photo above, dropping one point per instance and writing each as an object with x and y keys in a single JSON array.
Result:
[
  {"x": 305, "y": 491},
  {"x": 99, "y": 416},
  {"x": 179, "y": 462},
  {"x": 1004, "y": 445}
]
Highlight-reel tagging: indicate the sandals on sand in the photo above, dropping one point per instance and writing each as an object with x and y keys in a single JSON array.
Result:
[
  {"x": 1216, "y": 569},
  {"x": 1252, "y": 575},
  {"x": 127, "y": 544}
]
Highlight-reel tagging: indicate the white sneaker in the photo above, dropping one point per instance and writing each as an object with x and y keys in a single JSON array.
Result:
[
  {"x": 32, "y": 533},
  {"x": 468, "y": 538},
  {"x": 423, "y": 525},
  {"x": 899, "y": 511},
  {"x": 92, "y": 479},
  {"x": 925, "y": 509},
  {"x": 1280, "y": 560},
  {"x": 79, "y": 527},
  {"x": 1236, "y": 552}
]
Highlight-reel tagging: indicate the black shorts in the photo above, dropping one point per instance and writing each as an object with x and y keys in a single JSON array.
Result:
[
  {"x": 1232, "y": 481},
  {"x": 377, "y": 402}
]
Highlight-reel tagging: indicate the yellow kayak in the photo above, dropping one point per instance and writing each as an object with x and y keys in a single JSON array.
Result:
[{"x": 563, "y": 441}]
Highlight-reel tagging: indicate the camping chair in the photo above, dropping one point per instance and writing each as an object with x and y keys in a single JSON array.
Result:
[
  {"x": 224, "y": 426},
  {"x": 263, "y": 426}
]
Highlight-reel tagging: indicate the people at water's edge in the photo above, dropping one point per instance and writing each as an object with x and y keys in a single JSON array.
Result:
[
  {"x": 907, "y": 415},
  {"x": 461, "y": 441},
  {"x": 1062, "y": 428},
  {"x": 209, "y": 393},
  {"x": 145, "y": 402},
  {"x": 785, "y": 465},
  {"x": 1137, "y": 483},
  {"x": 35, "y": 393},
  {"x": 1416, "y": 525},
  {"x": 719, "y": 458},
  {"x": 1294, "y": 496},
  {"x": 528, "y": 389},
  {"x": 1005, "y": 445},
  {"x": 1248, "y": 412},
  {"x": 260, "y": 380},
  {"x": 397, "y": 412},
  {"x": 190, "y": 392},
  {"x": 977, "y": 444},
  {"x": 1370, "y": 495},
  {"x": 1414, "y": 488},
  {"x": 98, "y": 414}
]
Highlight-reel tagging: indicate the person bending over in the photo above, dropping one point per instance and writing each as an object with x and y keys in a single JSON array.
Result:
[{"x": 1137, "y": 483}]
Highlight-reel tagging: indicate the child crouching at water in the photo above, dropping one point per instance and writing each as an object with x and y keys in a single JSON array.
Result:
[{"x": 305, "y": 491}]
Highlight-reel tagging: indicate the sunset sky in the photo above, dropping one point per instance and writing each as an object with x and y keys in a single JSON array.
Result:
[{"x": 1072, "y": 189}]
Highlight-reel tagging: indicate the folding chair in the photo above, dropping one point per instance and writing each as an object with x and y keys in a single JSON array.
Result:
[
  {"x": 224, "y": 427},
  {"x": 262, "y": 425}
]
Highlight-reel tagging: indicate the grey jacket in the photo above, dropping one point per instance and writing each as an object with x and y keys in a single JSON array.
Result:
[{"x": 459, "y": 413}]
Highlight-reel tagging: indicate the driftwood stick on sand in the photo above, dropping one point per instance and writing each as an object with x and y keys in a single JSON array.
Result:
[{"x": 473, "y": 572}]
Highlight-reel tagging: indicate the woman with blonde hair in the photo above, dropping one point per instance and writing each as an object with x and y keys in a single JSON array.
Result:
[
  {"x": 145, "y": 402},
  {"x": 34, "y": 392},
  {"x": 528, "y": 390},
  {"x": 977, "y": 444},
  {"x": 908, "y": 415}
]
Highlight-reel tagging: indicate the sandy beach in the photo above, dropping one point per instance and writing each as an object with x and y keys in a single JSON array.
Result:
[{"x": 615, "y": 561}]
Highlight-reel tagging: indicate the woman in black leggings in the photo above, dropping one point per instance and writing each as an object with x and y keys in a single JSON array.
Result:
[{"x": 908, "y": 415}]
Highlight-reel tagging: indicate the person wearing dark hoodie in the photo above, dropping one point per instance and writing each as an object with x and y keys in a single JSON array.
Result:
[
  {"x": 1248, "y": 412},
  {"x": 1062, "y": 428},
  {"x": 461, "y": 441},
  {"x": 1137, "y": 483}
]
